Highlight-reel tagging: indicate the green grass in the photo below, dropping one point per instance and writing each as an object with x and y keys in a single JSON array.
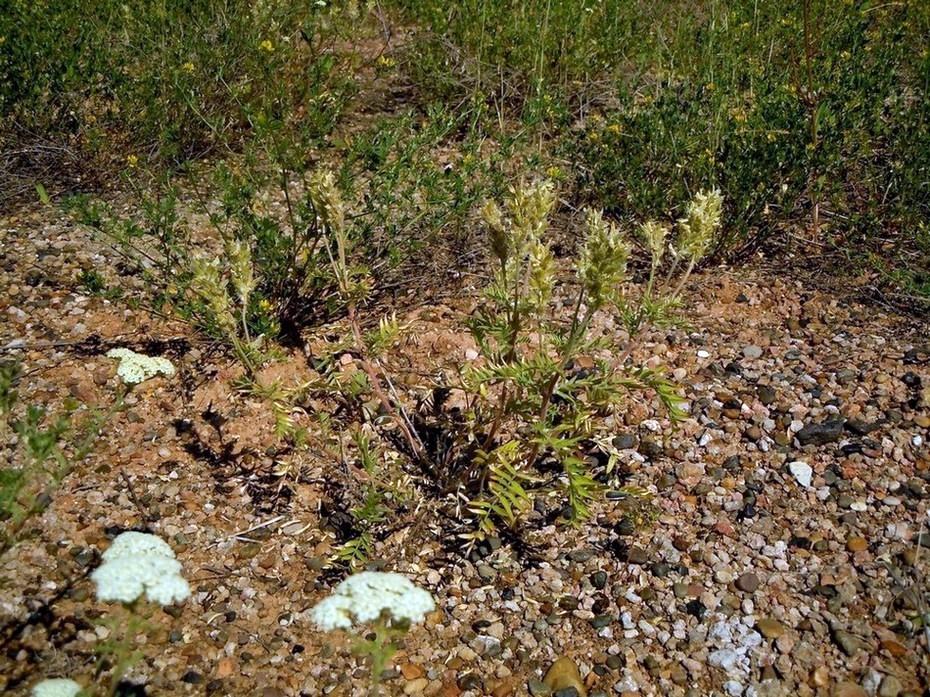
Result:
[
  {"x": 811, "y": 114},
  {"x": 166, "y": 80}
]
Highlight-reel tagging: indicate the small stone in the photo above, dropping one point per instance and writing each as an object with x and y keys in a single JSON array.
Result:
[
  {"x": 821, "y": 434},
  {"x": 890, "y": 687},
  {"x": 192, "y": 677},
  {"x": 411, "y": 671},
  {"x": 850, "y": 643},
  {"x": 678, "y": 674},
  {"x": 624, "y": 442},
  {"x": 766, "y": 394},
  {"x": 538, "y": 688},
  {"x": 696, "y": 609},
  {"x": 857, "y": 544},
  {"x": 416, "y": 687},
  {"x": 625, "y": 527},
  {"x": 848, "y": 689},
  {"x": 564, "y": 674},
  {"x": 503, "y": 690},
  {"x": 802, "y": 472},
  {"x": 579, "y": 556},
  {"x": 752, "y": 352},
  {"x": 599, "y": 579},
  {"x": 770, "y": 628},
  {"x": 895, "y": 648},
  {"x": 486, "y": 572},
  {"x": 615, "y": 662},
  {"x": 748, "y": 583},
  {"x": 224, "y": 668},
  {"x": 637, "y": 555}
]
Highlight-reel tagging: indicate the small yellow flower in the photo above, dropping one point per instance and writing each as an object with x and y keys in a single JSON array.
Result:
[
  {"x": 614, "y": 128},
  {"x": 132, "y": 160},
  {"x": 553, "y": 172},
  {"x": 386, "y": 63},
  {"x": 266, "y": 45},
  {"x": 188, "y": 67}
]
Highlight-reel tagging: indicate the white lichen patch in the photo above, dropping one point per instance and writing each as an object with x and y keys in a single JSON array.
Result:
[
  {"x": 365, "y": 596},
  {"x": 137, "y": 367},
  {"x": 138, "y": 563}
]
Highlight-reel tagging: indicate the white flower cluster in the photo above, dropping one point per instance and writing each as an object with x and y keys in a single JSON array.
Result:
[
  {"x": 56, "y": 687},
  {"x": 364, "y": 596},
  {"x": 137, "y": 367},
  {"x": 138, "y": 563}
]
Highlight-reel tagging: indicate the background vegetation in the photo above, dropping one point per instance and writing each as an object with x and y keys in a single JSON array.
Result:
[{"x": 812, "y": 117}]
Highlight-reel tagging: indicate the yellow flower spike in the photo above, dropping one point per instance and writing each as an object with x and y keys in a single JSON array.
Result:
[
  {"x": 188, "y": 67},
  {"x": 132, "y": 160},
  {"x": 266, "y": 45}
]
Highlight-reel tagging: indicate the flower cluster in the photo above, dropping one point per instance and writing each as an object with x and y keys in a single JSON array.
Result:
[
  {"x": 138, "y": 563},
  {"x": 208, "y": 283},
  {"x": 137, "y": 367},
  {"x": 365, "y": 596},
  {"x": 56, "y": 687},
  {"x": 700, "y": 224},
  {"x": 602, "y": 265}
]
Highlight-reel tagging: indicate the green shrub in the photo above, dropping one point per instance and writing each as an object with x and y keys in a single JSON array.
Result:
[
  {"x": 167, "y": 80},
  {"x": 807, "y": 115}
]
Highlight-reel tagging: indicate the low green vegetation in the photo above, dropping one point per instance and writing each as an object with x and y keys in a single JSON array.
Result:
[
  {"x": 813, "y": 117},
  {"x": 44, "y": 448},
  {"x": 163, "y": 82}
]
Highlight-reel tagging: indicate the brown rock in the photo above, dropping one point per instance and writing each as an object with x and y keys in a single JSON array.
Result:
[
  {"x": 502, "y": 690},
  {"x": 224, "y": 668},
  {"x": 416, "y": 687},
  {"x": 895, "y": 648},
  {"x": 564, "y": 673},
  {"x": 848, "y": 689},
  {"x": 770, "y": 628},
  {"x": 748, "y": 583},
  {"x": 411, "y": 671},
  {"x": 857, "y": 544}
]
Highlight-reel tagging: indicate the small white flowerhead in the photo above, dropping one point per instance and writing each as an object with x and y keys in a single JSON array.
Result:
[
  {"x": 137, "y": 367},
  {"x": 363, "y": 598},
  {"x": 699, "y": 226},
  {"x": 56, "y": 687},
  {"x": 136, "y": 564}
]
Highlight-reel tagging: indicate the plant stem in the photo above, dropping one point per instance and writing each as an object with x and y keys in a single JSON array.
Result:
[{"x": 124, "y": 651}]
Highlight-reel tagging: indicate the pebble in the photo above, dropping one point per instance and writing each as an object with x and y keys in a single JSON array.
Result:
[
  {"x": 538, "y": 688},
  {"x": 802, "y": 472},
  {"x": 857, "y": 544},
  {"x": 820, "y": 434},
  {"x": 770, "y": 628},
  {"x": 416, "y": 687},
  {"x": 748, "y": 583},
  {"x": 890, "y": 687}
]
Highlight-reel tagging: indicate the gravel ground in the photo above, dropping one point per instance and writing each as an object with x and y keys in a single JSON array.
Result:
[{"x": 779, "y": 553}]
